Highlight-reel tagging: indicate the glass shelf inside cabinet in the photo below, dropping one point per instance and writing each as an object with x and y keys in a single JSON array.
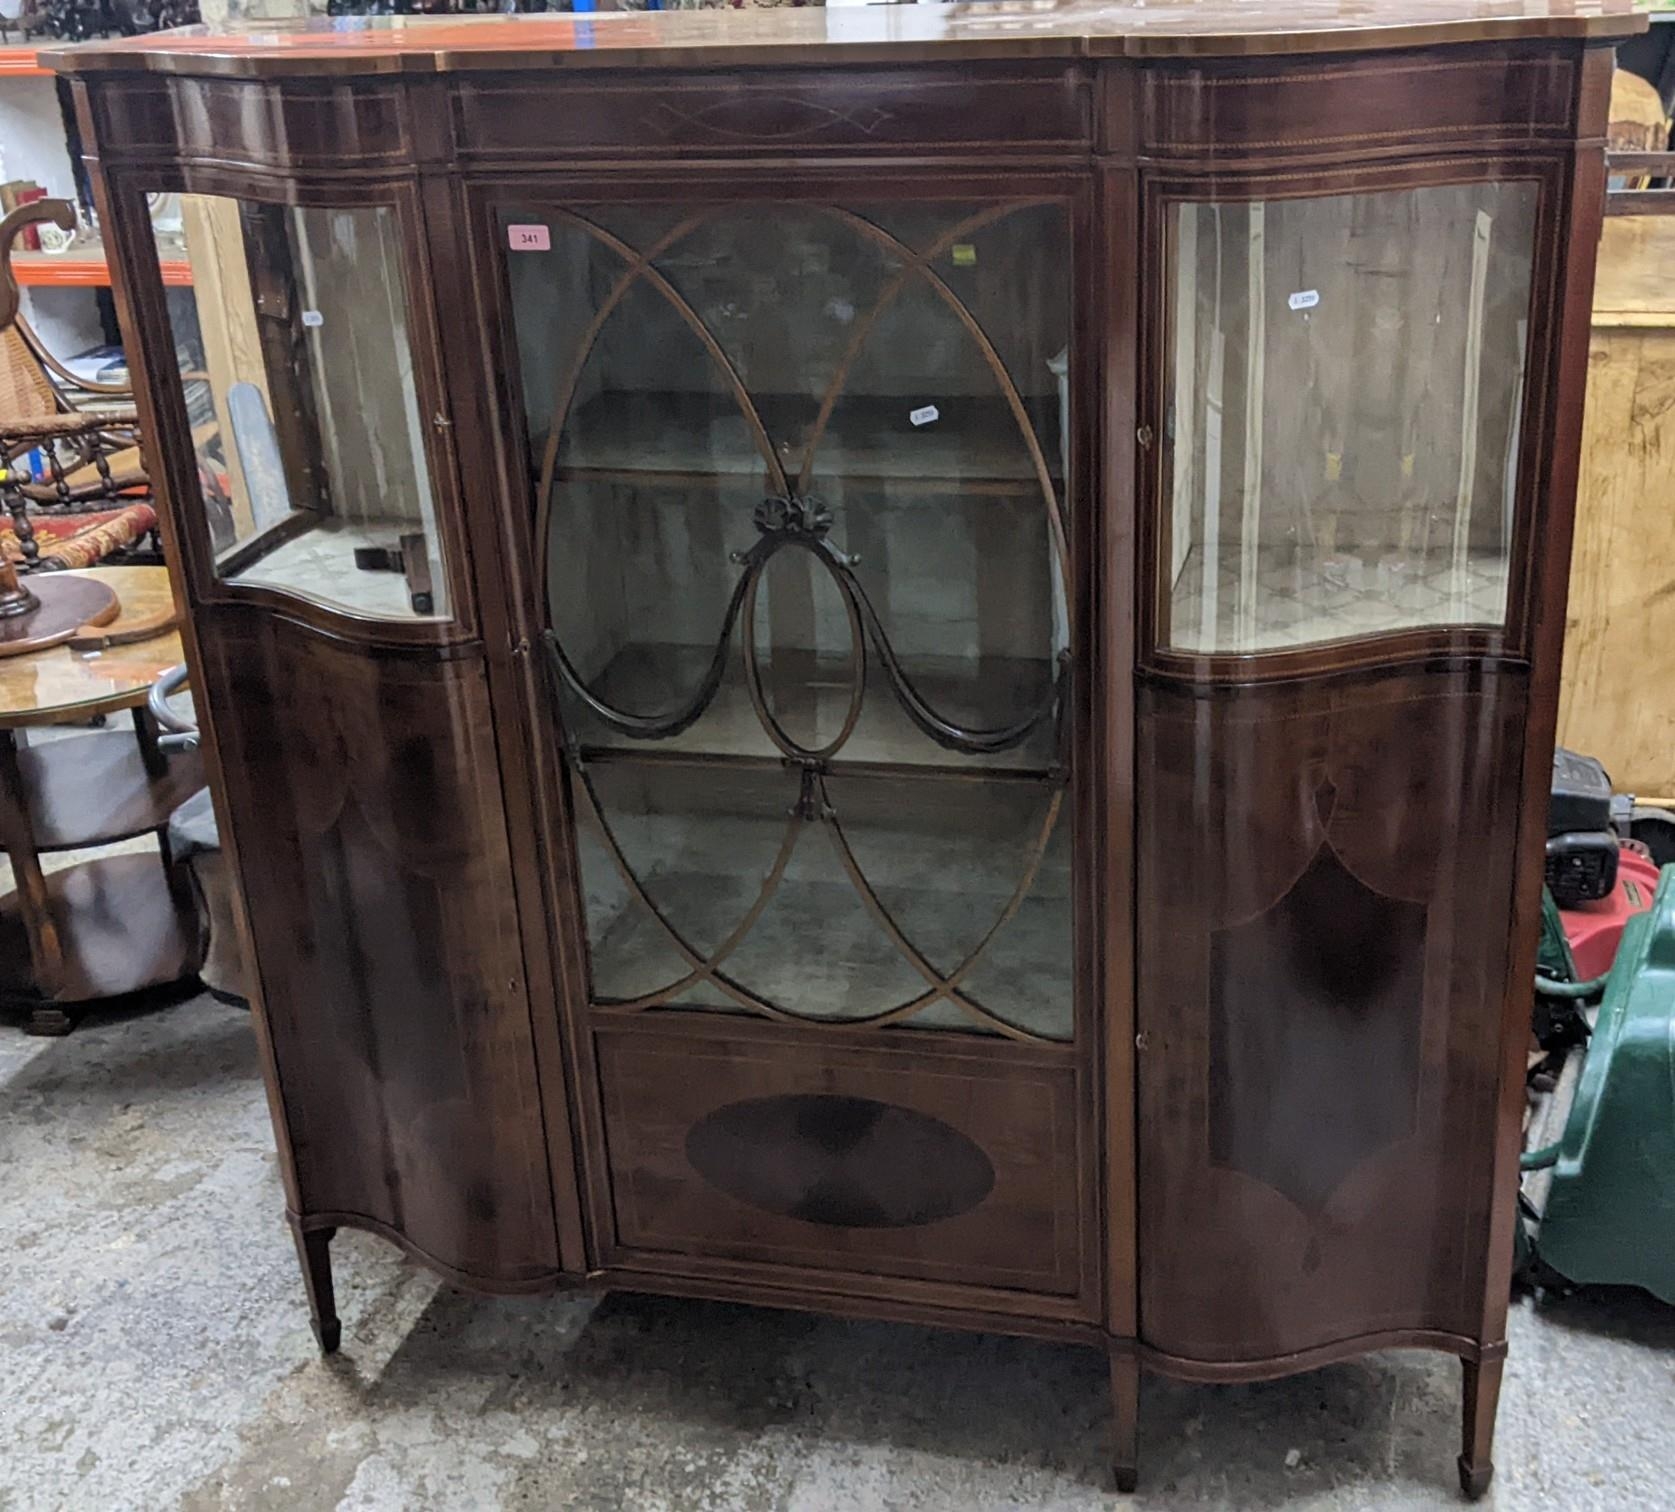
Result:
[
  {"x": 298, "y": 374},
  {"x": 1341, "y": 441},
  {"x": 801, "y": 475}
]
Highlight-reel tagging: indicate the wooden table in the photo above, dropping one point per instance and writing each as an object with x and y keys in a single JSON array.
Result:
[{"x": 115, "y": 924}]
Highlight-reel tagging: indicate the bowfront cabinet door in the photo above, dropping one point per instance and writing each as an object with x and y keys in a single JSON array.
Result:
[
  {"x": 801, "y": 478},
  {"x": 1330, "y": 739},
  {"x": 316, "y": 510}
]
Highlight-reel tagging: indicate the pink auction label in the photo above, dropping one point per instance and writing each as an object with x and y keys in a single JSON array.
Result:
[{"x": 529, "y": 238}]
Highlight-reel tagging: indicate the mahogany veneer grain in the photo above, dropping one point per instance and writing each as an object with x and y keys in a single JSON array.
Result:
[{"x": 944, "y": 33}]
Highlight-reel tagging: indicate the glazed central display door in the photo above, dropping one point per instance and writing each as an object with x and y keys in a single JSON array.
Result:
[{"x": 801, "y": 479}]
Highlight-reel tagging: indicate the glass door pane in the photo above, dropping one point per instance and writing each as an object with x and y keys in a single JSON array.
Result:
[
  {"x": 1341, "y": 434},
  {"x": 801, "y": 470},
  {"x": 294, "y": 354}
]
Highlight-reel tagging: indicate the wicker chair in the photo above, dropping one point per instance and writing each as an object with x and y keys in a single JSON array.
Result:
[{"x": 90, "y": 497}]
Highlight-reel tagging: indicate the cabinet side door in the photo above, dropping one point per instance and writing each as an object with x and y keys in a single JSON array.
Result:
[
  {"x": 1345, "y": 501},
  {"x": 291, "y": 384},
  {"x": 366, "y": 798}
]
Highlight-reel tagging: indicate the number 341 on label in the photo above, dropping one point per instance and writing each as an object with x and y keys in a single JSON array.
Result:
[{"x": 529, "y": 238}]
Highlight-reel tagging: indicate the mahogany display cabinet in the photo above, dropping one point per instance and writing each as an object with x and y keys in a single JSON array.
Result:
[{"x": 899, "y": 661}]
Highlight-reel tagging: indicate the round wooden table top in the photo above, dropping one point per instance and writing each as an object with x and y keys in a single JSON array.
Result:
[{"x": 59, "y": 685}]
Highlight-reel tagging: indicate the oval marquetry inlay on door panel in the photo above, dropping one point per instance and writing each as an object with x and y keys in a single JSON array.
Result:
[{"x": 849, "y": 1162}]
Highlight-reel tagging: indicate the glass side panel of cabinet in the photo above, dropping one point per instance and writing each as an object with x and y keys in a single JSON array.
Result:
[
  {"x": 294, "y": 356},
  {"x": 801, "y": 470},
  {"x": 1345, "y": 382}
]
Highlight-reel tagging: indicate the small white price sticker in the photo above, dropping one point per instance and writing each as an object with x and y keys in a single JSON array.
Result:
[
  {"x": 1304, "y": 299},
  {"x": 529, "y": 238},
  {"x": 925, "y": 414}
]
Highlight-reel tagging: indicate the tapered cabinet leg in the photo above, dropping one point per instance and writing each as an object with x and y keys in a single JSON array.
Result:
[
  {"x": 314, "y": 1251},
  {"x": 1482, "y": 1390},
  {"x": 1125, "y": 1417},
  {"x": 49, "y": 1020}
]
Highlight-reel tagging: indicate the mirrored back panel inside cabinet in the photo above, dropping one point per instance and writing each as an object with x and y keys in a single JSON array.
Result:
[{"x": 801, "y": 481}]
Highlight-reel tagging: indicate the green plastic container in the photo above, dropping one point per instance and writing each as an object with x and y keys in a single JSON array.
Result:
[{"x": 1610, "y": 1213}]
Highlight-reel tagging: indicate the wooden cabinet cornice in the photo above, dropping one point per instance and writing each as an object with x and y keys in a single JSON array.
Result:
[{"x": 900, "y": 661}]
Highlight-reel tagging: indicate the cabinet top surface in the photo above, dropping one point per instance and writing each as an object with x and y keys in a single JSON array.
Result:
[{"x": 870, "y": 34}]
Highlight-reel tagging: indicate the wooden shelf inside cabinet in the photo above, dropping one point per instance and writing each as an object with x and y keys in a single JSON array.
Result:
[
  {"x": 94, "y": 789},
  {"x": 652, "y": 677},
  {"x": 22, "y": 63},
  {"x": 83, "y": 268},
  {"x": 119, "y": 926},
  {"x": 972, "y": 446}
]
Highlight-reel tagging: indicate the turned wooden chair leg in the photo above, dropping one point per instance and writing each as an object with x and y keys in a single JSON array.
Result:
[
  {"x": 1481, "y": 1380},
  {"x": 1125, "y": 1417},
  {"x": 17, "y": 506},
  {"x": 314, "y": 1251}
]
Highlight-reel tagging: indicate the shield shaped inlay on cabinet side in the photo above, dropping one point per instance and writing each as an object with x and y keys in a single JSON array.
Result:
[{"x": 1314, "y": 1032}]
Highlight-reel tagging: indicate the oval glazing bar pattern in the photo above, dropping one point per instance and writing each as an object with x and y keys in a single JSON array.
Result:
[{"x": 787, "y": 445}]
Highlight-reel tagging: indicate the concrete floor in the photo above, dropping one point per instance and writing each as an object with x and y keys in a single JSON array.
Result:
[{"x": 156, "y": 1353}]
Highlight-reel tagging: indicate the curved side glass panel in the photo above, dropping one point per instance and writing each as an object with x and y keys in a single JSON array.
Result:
[
  {"x": 292, "y": 338},
  {"x": 1346, "y": 377}
]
